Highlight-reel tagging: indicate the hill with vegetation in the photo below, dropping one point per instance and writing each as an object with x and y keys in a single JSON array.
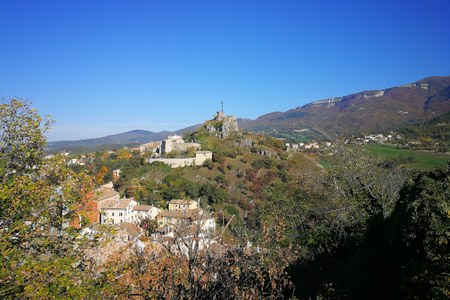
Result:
[
  {"x": 334, "y": 223},
  {"x": 433, "y": 134},
  {"x": 364, "y": 112}
]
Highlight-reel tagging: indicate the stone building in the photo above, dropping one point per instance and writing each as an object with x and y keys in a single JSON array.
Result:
[{"x": 176, "y": 143}]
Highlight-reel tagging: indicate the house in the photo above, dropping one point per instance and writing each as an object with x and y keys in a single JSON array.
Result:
[
  {"x": 127, "y": 232},
  {"x": 182, "y": 204},
  {"x": 177, "y": 217},
  {"x": 89, "y": 208},
  {"x": 117, "y": 211},
  {"x": 105, "y": 192},
  {"x": 142, "y": 212}
]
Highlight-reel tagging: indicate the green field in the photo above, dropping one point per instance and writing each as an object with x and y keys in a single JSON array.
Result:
[{"x": 422, "y": 160}]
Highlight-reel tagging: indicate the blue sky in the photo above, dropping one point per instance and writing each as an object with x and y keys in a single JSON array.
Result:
[{"x": 104, "y": 67}]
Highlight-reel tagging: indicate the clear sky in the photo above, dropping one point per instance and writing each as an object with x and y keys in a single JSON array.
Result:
[{"x": 104, "y": 67}]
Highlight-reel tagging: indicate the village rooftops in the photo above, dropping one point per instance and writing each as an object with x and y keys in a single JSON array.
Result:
[
  {"x": 104, "y": 193},
  {"x": 129, "y": 228},
  {"x": 179, "y": 214},
  {"x": 181, "y": 201},
  {"x": 182, "y": 204},
  {"x": 116, "y": 204},
  {"x": 142, "y": 207}
]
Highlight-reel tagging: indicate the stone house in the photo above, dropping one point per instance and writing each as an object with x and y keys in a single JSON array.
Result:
[
  {"x": 182, "y": 204},
  {"x": 127, "y": 232},
  {"x": 177, "y": 217},
  {"x": 176, "y": 142},
  {"x": 152, "y": 147}
]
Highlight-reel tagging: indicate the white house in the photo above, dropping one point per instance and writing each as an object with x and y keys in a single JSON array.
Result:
[
  {"x": 117, "y": 211},
  {"x": 141, "y": 212}
]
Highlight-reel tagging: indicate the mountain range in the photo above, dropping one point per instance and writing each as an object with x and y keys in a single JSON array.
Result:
[{"x": 364, "y": 112}]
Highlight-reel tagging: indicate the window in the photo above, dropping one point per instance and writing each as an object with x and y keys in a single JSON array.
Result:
[
  {"x": 120, "y": 214},
  {"x": 112, "y": 214}
]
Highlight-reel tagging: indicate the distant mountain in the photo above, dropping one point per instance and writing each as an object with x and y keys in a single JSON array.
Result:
[
  {"x": 364, "y": 112},
  {"x": 126, "y": 139}
]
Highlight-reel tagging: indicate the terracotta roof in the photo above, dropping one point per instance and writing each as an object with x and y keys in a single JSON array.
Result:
[
  {"x": 181, "y": 201},
  {"x": 118, "y": 204},
  {"x": 129, "y": 228},
  {"x": 142, "y": 207},
  {"x": 180, "y": 214},
  {"x": 104, "y": 193}
]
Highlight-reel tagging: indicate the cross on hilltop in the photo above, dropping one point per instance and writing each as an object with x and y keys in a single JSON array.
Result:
[{"x": 222, "y": 104}]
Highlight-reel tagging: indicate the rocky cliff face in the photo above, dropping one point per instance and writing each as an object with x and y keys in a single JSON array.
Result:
[
  {"x": 222, "y": 125},
  {"x": 371, "y": 111}
]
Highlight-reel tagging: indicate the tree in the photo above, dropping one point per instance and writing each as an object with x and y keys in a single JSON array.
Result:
[
  {"x": 40, "y": 256},
  {"x": 22, "y": 138},
  {"x": 99, "y": 177},
  {"x": 420, "y": 225}
]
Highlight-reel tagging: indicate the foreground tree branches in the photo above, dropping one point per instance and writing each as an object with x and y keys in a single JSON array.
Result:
[
  {"x": 366, "y": 231},
  {"x": 40, "y": 256}
]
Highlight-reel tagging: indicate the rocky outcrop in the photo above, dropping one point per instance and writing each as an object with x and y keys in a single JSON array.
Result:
[
  {"x": 267, "y": 153},
  {"x": 222, "y": 125}
]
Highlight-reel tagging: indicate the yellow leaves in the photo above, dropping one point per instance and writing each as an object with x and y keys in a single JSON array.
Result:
[
  {"x": 101, "y": 174},
  {"x": 236, "y": 272},
  {"x": 123, "y": 154}
]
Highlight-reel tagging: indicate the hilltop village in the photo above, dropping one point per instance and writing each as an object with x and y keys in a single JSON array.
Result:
[
  {"x": 179, "y": 217},
  {"x": 132, "y": 221}
]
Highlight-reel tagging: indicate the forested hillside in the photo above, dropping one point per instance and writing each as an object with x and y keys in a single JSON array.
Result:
[{"x": 434, "y": 134}]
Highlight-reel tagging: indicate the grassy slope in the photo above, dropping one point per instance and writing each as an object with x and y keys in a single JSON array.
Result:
[{"x": 423, "y": 160}]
